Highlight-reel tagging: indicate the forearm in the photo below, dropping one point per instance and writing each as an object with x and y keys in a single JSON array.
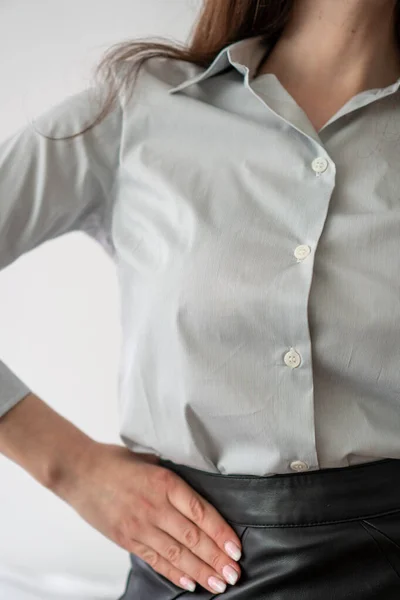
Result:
[{"x": 45, "y": 444}]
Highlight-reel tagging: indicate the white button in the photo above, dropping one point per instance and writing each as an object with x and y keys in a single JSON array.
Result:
[
  {"x": 319, "y": 164},
  {"x": 302, "y": 251},
  {"x": 298, "y": 465},
  {"x": 292, "y": 358}
]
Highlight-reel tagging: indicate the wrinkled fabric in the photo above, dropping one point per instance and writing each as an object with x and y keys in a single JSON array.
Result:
[{"x": 257, "y": 260}]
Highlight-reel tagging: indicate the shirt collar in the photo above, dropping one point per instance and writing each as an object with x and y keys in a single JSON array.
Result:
[{"x": 244, "y": 55}]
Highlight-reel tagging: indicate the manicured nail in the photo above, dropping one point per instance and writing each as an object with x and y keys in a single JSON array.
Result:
[
  {"x": 216, "y": 584},
  {"x": 233, "y": 550},
  {"x": 188, "y": 584},
  {"x": 230, "y": 574}
]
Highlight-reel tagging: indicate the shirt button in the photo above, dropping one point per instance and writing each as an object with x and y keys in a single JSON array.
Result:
[
  {"x": 320, "y": 164},
  {"x": 299, "y": 465},
  {"x": 292, "y": 358},
  {"x": 302, "y": 251}
]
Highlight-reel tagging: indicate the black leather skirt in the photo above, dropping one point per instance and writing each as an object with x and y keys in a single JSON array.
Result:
[{"x": 332, "y": 534}]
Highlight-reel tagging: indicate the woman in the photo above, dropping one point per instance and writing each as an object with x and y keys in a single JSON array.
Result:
[{"x": 247, "y": 188}]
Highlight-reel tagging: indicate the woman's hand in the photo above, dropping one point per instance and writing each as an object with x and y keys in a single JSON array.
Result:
[{"x": 153, "y": 513}]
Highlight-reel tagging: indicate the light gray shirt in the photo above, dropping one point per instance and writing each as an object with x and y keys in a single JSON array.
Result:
[{"x": 258, "y": 261}]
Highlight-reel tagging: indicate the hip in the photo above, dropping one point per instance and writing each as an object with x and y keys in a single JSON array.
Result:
[{"x": 331, "y": 534}]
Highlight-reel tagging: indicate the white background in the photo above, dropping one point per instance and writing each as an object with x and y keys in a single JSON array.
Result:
[{"x": 59, "y": 320}]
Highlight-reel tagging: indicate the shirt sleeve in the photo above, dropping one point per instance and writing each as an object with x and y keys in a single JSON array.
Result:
[{"x": 49, "y": 188}]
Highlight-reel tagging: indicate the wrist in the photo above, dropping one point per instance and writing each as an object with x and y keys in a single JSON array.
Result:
[{"x": 65, "y": 475}]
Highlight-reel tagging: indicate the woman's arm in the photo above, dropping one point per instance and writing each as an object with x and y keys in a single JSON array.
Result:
[
  {"x": 139, "y": 505},
  {"x": 45, "y": 444},
  {"x": 49, "y": 188}
]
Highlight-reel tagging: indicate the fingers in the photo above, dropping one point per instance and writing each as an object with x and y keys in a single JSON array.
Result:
[
  {"x": 181, "y": 558},
  {"x": 193, "y": 506},
  {"x": 213, "y": 561},
  {"x": 162, "y": 565},
  {"x": 178, "y": 533}
]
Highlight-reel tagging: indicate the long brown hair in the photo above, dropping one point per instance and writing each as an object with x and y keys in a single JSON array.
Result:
[{"x": 220, "y": 22}]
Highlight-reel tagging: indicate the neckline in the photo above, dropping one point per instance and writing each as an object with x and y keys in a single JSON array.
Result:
[{"x": 375, "y": 91}]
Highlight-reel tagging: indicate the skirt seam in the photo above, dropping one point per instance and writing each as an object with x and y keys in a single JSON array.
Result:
[
  {"x": 382, "y": 552},
  {"x": 311, "y": 524}
]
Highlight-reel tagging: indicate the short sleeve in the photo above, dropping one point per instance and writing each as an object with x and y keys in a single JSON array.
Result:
[{"x": 49, "y": 188}]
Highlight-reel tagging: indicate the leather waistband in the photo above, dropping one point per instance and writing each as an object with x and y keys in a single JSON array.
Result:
[{"x": 299, "y": 499}]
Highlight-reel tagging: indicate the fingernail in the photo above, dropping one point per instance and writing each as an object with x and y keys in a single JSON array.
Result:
[
  {"x": 233, "y": 550},
  {"x": 230, "y": 574},
  {"x": 188, "y": 584},
  {"x": 216, "y": 584}
]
